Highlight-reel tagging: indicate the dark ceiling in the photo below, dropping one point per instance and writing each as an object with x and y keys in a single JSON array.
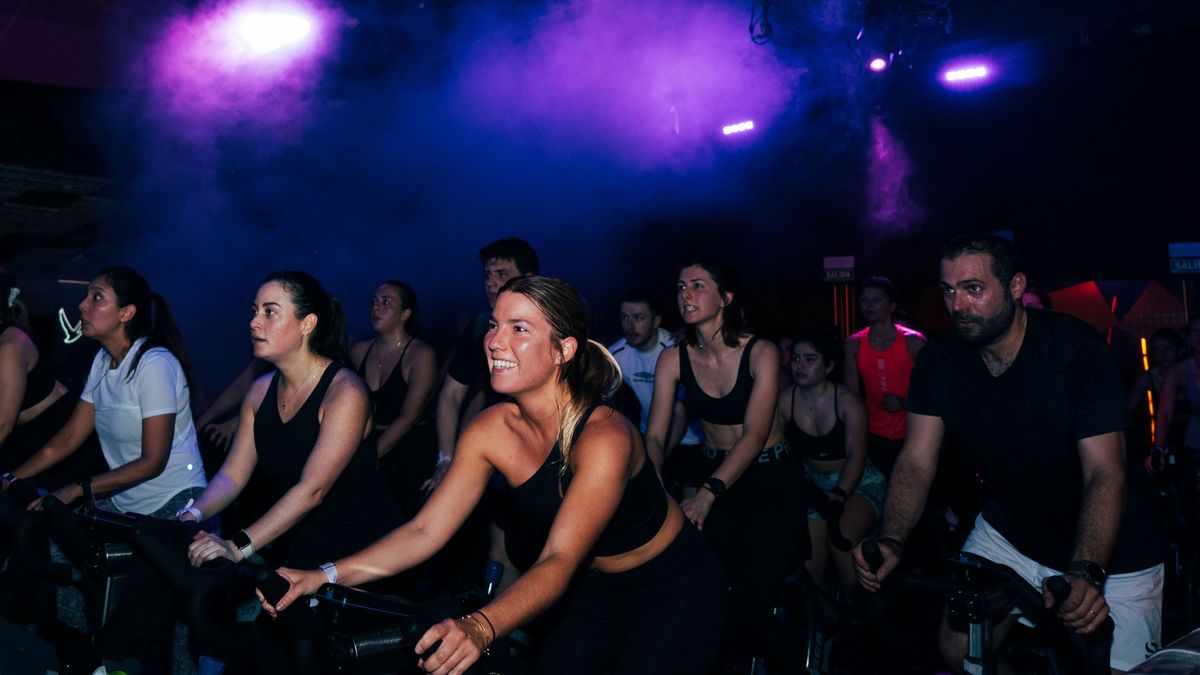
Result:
[{"x": 1095, "y": 160}]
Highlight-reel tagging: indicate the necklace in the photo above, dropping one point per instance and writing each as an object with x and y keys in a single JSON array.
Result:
[
  {"x": 379, "y": 357},
  {"x": 284, "y": 403},
  {"x": 115, "y": 361}
]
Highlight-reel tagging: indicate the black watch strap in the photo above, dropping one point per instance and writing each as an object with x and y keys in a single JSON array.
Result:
[
  {"x": 86, "y": 486},
  {"x": 1089, "y": 570},
  {"x": 715, "y": 486}
]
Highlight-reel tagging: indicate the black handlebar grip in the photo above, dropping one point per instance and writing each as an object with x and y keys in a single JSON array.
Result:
[
  {"x": 871, "y": 553},
  {"x": 272, "y": 585},
  {"x": 431, "y": 651},
  {"x": 1060, "y": 589}
]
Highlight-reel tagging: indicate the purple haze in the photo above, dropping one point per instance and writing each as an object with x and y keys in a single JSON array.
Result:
[
  {"x": 890, "y": 208},
  {"x": 247, "y": 65},
  {"x": 651, "y": 84}
]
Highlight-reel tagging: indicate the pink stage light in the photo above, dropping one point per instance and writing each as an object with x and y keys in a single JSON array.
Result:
[
  {"x": 262, "y": 32},
  {"x": 878, "y": 64},
  {"x": 740, "y": 127}
]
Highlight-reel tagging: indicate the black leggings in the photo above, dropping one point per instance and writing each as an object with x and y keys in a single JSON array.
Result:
[
  {"x": 664, "y": 617},
  {"x": 757, "y": 528}
]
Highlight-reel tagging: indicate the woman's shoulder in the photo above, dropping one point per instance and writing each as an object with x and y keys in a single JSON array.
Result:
[
  {"x": 606, "y": 427},
  {"x": 496, "y": 425},
  {"x": 346, "y": 382},
  {"x": 421, "y": 349}
]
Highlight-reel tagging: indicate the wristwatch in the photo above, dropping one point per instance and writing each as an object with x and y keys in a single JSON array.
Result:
[
  {"x": 242, "y": 541},
  {"x": 1091, "y": 571},
  {"x": 715, "y": 486}
]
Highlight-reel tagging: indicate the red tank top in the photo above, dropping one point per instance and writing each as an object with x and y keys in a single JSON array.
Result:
[{"x": 885, "y": 372}]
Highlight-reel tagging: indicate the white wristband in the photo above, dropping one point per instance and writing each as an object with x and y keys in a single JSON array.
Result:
[
  {"x": 444, "y": 458},
  {"x": 330, "y": 571},
  {"x": 188, "y": 508}
]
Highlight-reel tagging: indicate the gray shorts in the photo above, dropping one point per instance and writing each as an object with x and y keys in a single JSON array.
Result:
[{"x": 872, "y": 486}]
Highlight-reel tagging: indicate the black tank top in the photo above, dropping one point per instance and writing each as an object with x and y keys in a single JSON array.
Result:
[
  {"x": 352, "y": 514},
  {"x": 639, "y": 515},
  {"x": 388, "y": 400},
  {"x": 39, "y": 382},
  {"x": 730, "y": 408},
  {"x": 826, "y": 448}
]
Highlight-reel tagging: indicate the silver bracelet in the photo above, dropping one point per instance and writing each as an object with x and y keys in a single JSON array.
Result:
[{"x": 330, "y": 571}]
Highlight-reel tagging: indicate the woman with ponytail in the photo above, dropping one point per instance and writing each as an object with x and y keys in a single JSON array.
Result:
[
  {"x": 136, "y": 399},
  {"x": 640, "y": 591},
  {"x": 303, "y": 425},
  {"x": 749, "y": 504}
]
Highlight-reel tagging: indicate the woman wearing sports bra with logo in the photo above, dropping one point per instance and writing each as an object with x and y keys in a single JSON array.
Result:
[
  {"x": 751, "y": 507},
  {"x": 640, "y": 590},
  {"x": 826, "y": 425}
]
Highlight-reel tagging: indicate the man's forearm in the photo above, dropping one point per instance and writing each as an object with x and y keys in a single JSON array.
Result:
[
  {"x": 908, "y": 489},
  {"x": 1100, "y": 513}
]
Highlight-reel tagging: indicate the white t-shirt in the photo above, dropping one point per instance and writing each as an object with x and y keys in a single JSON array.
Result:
[
  {"x": 158, "y": 387},
  {"x": 637, "y": 370}
]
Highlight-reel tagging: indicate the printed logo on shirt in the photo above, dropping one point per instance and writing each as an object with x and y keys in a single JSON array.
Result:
[{"x": 643, "y": 376}]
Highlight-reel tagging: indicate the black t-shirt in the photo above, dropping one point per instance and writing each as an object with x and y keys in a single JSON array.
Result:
[
  {"x": 1021, "y": 431},
  {"x": 469, "y": 363}
]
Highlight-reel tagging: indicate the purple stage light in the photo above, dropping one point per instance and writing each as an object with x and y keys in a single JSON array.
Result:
[
  {"x": 878, "y": 64},
  {"x": 967, "y": 74},
  {"x": 964, "y": 74},
  {"x": 261, "y": 32},
  {"x": 740, "y": 127}
]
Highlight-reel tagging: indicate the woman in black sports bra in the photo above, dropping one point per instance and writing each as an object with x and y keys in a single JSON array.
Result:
[
  {"x": 640, "y": 590},
  {"x": 750, "y": 507},
  {"x": 826, "y": 425},
  {"x": 400, "y": 370}
]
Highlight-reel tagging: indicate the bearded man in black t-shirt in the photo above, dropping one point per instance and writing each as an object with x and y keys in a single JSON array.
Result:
[{"x": 1035, "y": 401}]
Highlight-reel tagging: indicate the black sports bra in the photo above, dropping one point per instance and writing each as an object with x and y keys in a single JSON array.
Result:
[
  {"x": 728, "y": 409},
  {"x": 639, "y": 515},
  {"x": 826, "y": 448}
]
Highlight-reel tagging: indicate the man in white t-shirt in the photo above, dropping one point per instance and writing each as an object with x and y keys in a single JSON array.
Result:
[{"x": 637, "y": 353}]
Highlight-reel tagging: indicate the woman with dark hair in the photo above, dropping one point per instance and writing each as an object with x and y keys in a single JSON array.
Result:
[
  {"x": 400, "y": 370},
  {"x": 826, "y": 426},
  {"x": 33, "y": 404},
  {"x": 750, "y": 507},
  {"x": 303, "y": 425},
  {"x": 641, "y": 591},
  {"x": 137, "y": 399}
]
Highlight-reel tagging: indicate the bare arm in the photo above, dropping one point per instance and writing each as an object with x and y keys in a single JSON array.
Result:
[
  {"x": 14, "y": 364},
  {"x": 230, "y": 397},
  {"x": 854, "y": 418},
  {"x": 662, "y": 405},
  {"x": 422, "y": 369},
  {"x": 234, "y": 474},
  {"x": 418, "y": 539},
  {"x": 1103, "y": 462},
  {"x": 908, "y": 488},
  {"x": 449, "y": 402},
  {"x": 343, "y": 419},
  {"x": 915, "y": 468},
  {"x": 850, "y": 370},
  {"x": 62, "y": 444}
]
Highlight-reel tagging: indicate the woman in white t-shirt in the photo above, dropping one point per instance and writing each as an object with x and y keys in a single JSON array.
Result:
[{"x": 136, "y": 399}]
